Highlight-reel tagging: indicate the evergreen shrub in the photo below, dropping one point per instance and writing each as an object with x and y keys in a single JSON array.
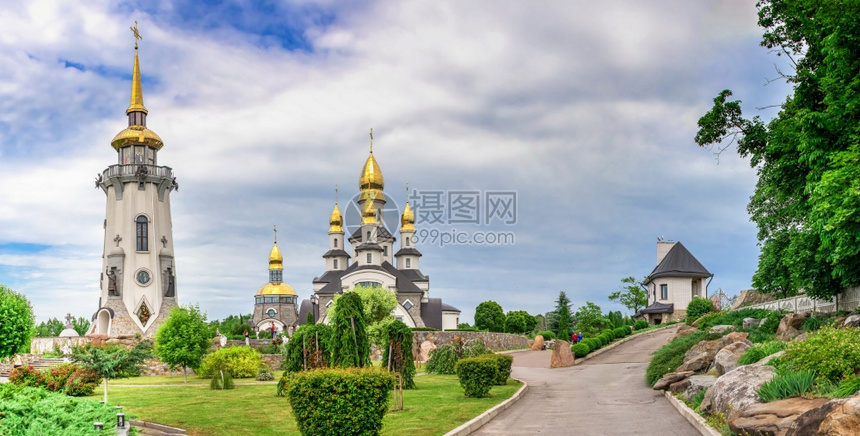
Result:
[
  {"x": 503, "y": 364},
  {"x": 640, "y": 324},
  {"x": 621, "y": 332},
  {"x": 35, "y": 411},
  {"x": 349, "y": 344},
  {"x": 580, "y": 350},
  {"x": 303, "y": 345},
  {"x": 697, "y": 307},
  {"x": 241, "y": 362},
  {"x": 477, "y": 376},
  {"x": 548, "y": 335},
  {"x": 443, "y": 360},
  {"x": 341, "y": 401}
]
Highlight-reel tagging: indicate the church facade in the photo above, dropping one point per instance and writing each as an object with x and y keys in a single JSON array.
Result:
[
  {"x": 275, "y": 301},
  {"x": 367, "y": 257},
  {"x": 138, "y": 274}
]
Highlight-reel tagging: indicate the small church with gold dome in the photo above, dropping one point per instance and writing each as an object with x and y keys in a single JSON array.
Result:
[{"x": 275, "y": 302}]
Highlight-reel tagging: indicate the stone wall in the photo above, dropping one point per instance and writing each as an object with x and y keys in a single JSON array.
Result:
[
  {"x": 273, "y": 361},
  {"x": 493, "y": 341},
  {"x": 154, "y": 367},
  {"x": 44, "y": 345}
]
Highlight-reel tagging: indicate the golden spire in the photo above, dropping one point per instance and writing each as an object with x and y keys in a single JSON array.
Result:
[
  {"x": 336, "y": 219},
  {"x": 136, "y": 90},
  {"x": 368, "y": 214},
  {"x": 407, "y": 220},
  {"x": 370, "y": 182},
  {"x": 276, "y": 261}
]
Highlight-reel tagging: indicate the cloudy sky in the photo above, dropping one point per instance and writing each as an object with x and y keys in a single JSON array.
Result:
[{"x": 586, "y": 110}]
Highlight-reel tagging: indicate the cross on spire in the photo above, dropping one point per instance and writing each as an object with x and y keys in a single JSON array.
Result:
[
  {"x": 371, "y": 140},
  {"x": 136, "y": 34},
  {"x": 275, "y": 228},
  {"x": 335, "y": 194}
]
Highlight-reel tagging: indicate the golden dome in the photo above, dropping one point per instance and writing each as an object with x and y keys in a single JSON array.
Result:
[
  {"x": 136, "y": 135},
  {"x": 371, "y": 182},
  {"x": 276, "y": 261},
  {"x": 368, "y": 213},
  {"x": 276, "y": 289},
  {"x": 407, "y": 220},
  {"x": 335, "y": 221}
]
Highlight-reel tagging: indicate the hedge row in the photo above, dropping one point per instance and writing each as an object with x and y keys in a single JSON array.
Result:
[
  {"x": 587, "y": 345},
  {"x": 66, "y": 378},
  {"x": 341, "y": 401},
  {"x": 479, "y": 374}
]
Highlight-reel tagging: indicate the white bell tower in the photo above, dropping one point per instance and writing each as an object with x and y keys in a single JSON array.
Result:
[{"x": 138, "y": 275}]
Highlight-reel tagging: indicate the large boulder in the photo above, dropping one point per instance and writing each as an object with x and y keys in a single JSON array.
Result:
[
  {"x": 561, "y": 355},
  {"x": 774, "y": 418},
  {"x": 701, "y": 355},
  {"x": 538, "y": 343},
  {"x": 727, "y": 358},
  {"x": 852, "y": 321},
  {"x": 843, "y": 420},
  {"x": 739, "y": 337},
  {"x": 737, "y": 389},
  {"x": 722, "y": 328},
  {"x": 750, "y": 322},
  {"x": 698, "y": 383},
  {"x": 789, "y": 326},
  {"x": 426, "y": 348},
  {"x": 670, "y": 378},
  {"x": 809, "y": 422},
  {"x": 684, "y": 330}
]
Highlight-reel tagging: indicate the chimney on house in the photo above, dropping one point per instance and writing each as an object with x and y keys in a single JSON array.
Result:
[{"x": 663, "y": 247}]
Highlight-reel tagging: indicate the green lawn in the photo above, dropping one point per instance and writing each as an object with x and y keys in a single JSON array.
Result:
[{"x": 435, "y": 407}]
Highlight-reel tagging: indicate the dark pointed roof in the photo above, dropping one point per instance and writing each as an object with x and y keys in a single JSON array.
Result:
[{"x": 679, "y": 263}]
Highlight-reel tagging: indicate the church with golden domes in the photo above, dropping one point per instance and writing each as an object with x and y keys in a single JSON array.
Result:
[
  {"x": 275, "y": 301},
  {"x": 370, "y": 260}
]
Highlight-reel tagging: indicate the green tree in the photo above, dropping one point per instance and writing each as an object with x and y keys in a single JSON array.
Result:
[
  {"x": 632, "y": 295},
  {"x": 183, "y": 338},
  {"x": 112, "y": 361},
  {"x": 490, "y": 316},
  {"x": 399, "y": 337},
  {"x": 590, "y": 319},
  {"x": 563, "y": 317},
  {"x": 539, "y": 323},
  {"x": 349, "y": 345},
  {"x": 16, "y": 322},
  {"x": 81, "y": 325},
  {"x": 518, "y": 321},
  {"x": 378, "y": 304},
  {"x": 806, "y": 203},
  {"x": 49, "y": 329}
]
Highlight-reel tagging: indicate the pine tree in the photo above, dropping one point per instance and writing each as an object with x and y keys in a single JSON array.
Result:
[{"x": 562, "y": 309}]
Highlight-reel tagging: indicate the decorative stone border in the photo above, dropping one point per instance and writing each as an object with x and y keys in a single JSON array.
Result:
[
  {"x": 474, "y": 424},
  {"x": 164, "y": 429},
  {"x": 691, "y": 416}
]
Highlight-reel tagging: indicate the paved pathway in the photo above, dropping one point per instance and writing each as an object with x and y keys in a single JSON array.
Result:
[{"x": 605, "y": 395}]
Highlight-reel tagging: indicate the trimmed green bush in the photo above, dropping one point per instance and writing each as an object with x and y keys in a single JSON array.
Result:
[
  {"x": 760, "y": 351},
  {"x": 831, "y": 353},
  {"x": 621, "y": 332},
  {"x": 342, "y": 401},
  {"x": 790, "y": 384},
  {"x": 548, "y": 335},
  {"x": 241, "y": 362},
  {"x": 503, "y": 364},
  {"x": 640, "y": 324},
  {"x": 443, "y": 360},
  {"x": 477, "y": 376},
  {"x": 593, "y": 344},
  {"x": 580, "y": 350},
  {"x": 698, "y": 307}
]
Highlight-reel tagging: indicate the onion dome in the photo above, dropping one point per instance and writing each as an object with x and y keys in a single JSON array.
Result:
[
  {"x": 407, "y": 220},
  {"x": 137, "y": 135},
  {"x": 276, "y": 289},
  {"x": 276, "y": 261},
  {"x": 368, "y": 213},
  {"x": 370, "y": 182},
  {"x": 335, "y": 221}
]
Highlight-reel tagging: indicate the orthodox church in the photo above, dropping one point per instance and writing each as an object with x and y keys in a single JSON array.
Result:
[
  {"x": 371, "y": 261},
  {"x": 138, "y": 279},
  {"x": 275, "y": 301}
]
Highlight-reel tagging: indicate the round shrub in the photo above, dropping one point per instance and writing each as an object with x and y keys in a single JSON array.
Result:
[
  {"x": 698, "y": 307},
  {"x": 503, "y": 364},
  {"x": 640, "y": 324},
  {"x": 605, "y": 339},
  {"x": 265, "y": 375},
  {"x": 241, "y": 362},
  {"x": 580, "y": 350},
  {"x": 343, "y": 401},
  {"x": 547, "y": 335},
  {"x": 477, "y": 376},
  {"x": 81, "y": 383},
  {"x": 830, "y": 353},
  {"x": 442, "y": 360},
  {"x": 27, "y": 376},
  {"x": 593, "y": 343},
  {"x": 621, "y": 332},
  {"x": 57, "y": 376}
]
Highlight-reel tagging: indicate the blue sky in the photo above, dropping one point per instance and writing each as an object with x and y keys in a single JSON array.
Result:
[{"x": 586, "y": 111}]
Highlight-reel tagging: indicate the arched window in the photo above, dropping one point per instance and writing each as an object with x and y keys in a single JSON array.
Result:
[
  {"x": 335, "y": 242},
  {"x": 368, "y": 236},
  {"x": 142, "y": 233}
]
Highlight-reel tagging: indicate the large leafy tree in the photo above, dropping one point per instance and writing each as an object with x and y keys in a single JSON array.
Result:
[
  {"x": 183, "y": 338},
  {"x": 16, "y": 322},
  {"x": 490, "y": 316},
  {"x": 81, "y": 325},
  {"x": 590, "y": 319},
  {"x": 112, "y": 361},
  {"x": 807, "y": 199},
  {"x": 632, "y": 295},
  {"x": 348, "y": 344},
  {"x": 49, "y": 329},
  {"x": 519, "y": 321}
]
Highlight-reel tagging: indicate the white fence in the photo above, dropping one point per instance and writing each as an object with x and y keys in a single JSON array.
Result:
[{"x": 848, "y": 300}]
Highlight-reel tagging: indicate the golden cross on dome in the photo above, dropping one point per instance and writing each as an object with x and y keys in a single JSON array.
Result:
[
  {"x": 275, "y": 228},
  {"x": 335, "y": 195},
  {"x": 371, "y": 140},
  {"x": 136, "y": 34}
]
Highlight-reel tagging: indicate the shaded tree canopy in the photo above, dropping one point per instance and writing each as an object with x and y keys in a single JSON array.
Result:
[
  {"x": 16, "y": 322},
  {"x": 806, "y": 202},
  {"x": 632, "y": 295},
  {"x": 490, "y": 316}
]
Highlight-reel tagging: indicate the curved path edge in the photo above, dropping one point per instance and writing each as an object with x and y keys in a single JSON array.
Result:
[
  {"x": 477, "y": 422},
  {"x": 691, "y": 416}
]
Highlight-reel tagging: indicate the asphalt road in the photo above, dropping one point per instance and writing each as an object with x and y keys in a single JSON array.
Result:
[{"x": 605, "y": 395}]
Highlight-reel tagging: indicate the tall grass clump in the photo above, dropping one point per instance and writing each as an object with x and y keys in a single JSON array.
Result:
[
  {"x": 790, "y": 384},
  {"x": 760, "y": 351}
]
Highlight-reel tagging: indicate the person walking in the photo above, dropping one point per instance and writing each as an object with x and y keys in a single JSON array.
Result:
[{"x": 247, "y": 339}]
